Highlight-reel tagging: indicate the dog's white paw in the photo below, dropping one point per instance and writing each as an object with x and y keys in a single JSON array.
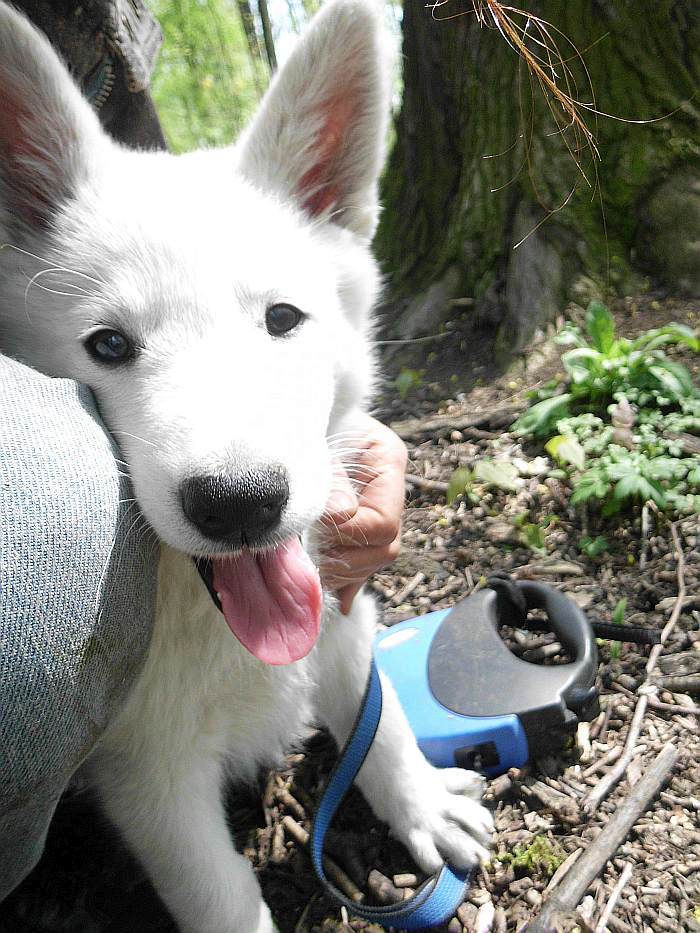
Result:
[
  {"x": 460, "y": 781},
  {"x": 448, "y": 822}
]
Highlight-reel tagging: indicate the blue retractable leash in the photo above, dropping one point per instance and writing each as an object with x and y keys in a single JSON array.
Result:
[
  {"x": 436, "y": 901},
  {"x": 470, "y": 703}
]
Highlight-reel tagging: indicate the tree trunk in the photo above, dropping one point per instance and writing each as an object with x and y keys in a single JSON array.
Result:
[
  {"x": 267, "y": 35},
  {"x": 477, "y": 167},
  {"x": 248, "y": 22}
]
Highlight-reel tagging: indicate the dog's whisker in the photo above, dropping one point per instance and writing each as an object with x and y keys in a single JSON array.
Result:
[
  {"x": 135, "y": 437},
  {"x": 60, "y": 271},
  {"x": 360, "y": 471},
  {"x": 342, "y": 435},
  {"x": 26, "y": 252},
  {"x": 78, "y": 293}
]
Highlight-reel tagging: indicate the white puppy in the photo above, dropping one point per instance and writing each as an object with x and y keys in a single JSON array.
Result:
[{"x": 218, "y": 306}]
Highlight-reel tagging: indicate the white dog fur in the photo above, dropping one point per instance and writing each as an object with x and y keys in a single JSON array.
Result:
[{"x": 184, "y": 254}]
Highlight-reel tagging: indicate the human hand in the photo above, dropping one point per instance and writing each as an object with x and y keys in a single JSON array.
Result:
[{"x": 363, "y": 514}]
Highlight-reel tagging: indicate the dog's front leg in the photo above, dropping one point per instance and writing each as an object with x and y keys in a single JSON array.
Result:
[
  {"x": 173, "y": 819},
  {"x": 435, "y": 813}
]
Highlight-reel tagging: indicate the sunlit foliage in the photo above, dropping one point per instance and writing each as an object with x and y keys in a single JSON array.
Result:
[{"x": 207, "y": 83}]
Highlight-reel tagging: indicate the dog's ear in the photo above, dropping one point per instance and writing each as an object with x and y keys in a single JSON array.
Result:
[
  {"x": 319, "y": 136},
  {"x": 48, "y": 132}
]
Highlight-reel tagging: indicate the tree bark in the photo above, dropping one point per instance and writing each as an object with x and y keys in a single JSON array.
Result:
[
  {"x": 267, "y": 35},
  {"x": 476, "y": 167},
  {"x": 248, "y": 22}
]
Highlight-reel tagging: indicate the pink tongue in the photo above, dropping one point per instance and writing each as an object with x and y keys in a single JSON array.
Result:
[{"x": 272, "y": 601}]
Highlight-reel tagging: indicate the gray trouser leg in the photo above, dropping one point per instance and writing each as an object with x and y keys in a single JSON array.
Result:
[{"x": 77, "y": 591}]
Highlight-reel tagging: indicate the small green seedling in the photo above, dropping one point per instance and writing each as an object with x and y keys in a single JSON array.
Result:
[
  {"x": 532, "y": 536},
  {"x": 497, "y": 473},
  {"x": 618, "y": 618},
  {"x": 543, "y": 856},
  {"x": 461, "y": 484},
  {"x": 593, "y": 547}
]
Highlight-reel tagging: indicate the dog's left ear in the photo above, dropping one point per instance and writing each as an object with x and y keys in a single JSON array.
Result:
[{"x": 319, "y": 136}]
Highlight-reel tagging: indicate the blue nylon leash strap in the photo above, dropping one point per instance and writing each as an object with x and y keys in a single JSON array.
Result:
[{"x": 436, "y": 901}]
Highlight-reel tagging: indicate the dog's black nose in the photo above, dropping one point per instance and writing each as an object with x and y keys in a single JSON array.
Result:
[{"x": 239, "y": 509}]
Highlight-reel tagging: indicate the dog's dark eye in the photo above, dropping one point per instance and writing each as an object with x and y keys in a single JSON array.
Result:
[
  {"x": 109, "y": 346},
  {"x": 280, "y": 319}
]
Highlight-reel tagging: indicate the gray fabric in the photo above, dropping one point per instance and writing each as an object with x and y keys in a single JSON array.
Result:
[{"x": 77, "y": 592}]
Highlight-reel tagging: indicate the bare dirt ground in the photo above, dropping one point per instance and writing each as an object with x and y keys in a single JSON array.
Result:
[{"x": 87, "y": 883}]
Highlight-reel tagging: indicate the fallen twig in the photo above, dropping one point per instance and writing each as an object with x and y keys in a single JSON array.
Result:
[
  {"x": 423, "y": 482},
  {"x": 588, "y": 866},
  {"x": 608, "y": 781},
  {"x": 647, "y": 689},
  {"x": 334, "y": 871},
  {"x": 440, "y": 424},
  {"x": 644, "y": 553},
  {"x": 679, "y": 683},
  {"x": 383, "y": 889},
  {"x": 406, "y": 590},
  {"x": 554, "y": 568},
  {"x": 625, "y": 876},
  {"x": 674, "y": 707}
]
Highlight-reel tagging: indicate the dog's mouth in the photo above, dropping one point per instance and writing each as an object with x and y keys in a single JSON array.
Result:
[{"x": 271, "y": 601}]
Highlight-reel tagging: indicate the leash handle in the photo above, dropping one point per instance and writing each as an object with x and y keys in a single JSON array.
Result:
[{"x": 438, "y": 898}]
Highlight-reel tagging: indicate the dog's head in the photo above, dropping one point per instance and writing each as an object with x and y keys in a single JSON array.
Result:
[{"x": 216, "y": 303}]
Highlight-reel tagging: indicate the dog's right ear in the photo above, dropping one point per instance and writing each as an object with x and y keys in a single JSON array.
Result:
[{"x": 48, "y": 132}]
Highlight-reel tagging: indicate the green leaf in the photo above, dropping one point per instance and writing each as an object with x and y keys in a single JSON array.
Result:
[
  {"x": 600, "y": 326},
  {"x": 589, "y": 486},
  {"x": 693, "y": 477},
  {"x": 619, "y": 611},
  {"x": 673, "y": 376},
  {"x": 593, "y": 547},
  {"x": 498, "y": 473},
  {"x": 582, "y": 364},
  {"x": 566, "y": 449},
  {"x": 633, "y": 484},
  {"x": 669, "y": 382},
  {"x": 671, "y": 333},
  {"x": 460, "y": 481},
  {"x": 666, "y": 468},
  {"x": 541, "y": 418},
  {"x": 532, "y": 536}
]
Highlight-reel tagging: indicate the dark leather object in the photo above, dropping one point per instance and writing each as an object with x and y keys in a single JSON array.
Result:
[{"x": 121, "y": 32}]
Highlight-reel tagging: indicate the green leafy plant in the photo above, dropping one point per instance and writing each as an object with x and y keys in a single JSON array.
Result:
[
  {"x": 618, "y": 618},
  {"x": 542, "y": 856},
  {"x": 567, "y": 450},
  {"x": 616, "y": 454},
  {"x": 532, "y": 536},
  {"x": 461, "y": 483},
  {"x": 601, "y": 365},
  {"x": 487, "y": 473},
  {"x": 593, "y": 547},
  {"x": 497, "y": 473}
]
